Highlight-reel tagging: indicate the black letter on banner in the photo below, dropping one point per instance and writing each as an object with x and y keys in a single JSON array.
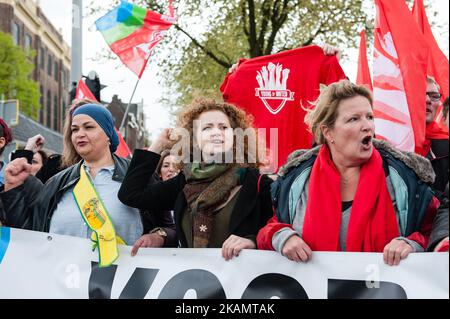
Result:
[
  {"x": 139, "y": 283},
  {"x": 203, "y": 282},
  {"x": 101, "y": 281},
  {"x": 357, "y": 289},
  {"x": 278, "y": 285}
]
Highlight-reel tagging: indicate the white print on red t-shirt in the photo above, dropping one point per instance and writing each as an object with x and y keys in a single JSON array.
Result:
[{"x": 272, "y": 90}]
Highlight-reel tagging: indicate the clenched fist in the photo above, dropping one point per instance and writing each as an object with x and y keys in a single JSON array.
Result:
[
  {"x": 35, "y": 143},
  {"x": 16, "y": 172},
  {"x": 166, "y": 139}
]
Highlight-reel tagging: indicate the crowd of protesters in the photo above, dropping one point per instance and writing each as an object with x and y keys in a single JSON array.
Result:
[{"x": 351, "y": 192}]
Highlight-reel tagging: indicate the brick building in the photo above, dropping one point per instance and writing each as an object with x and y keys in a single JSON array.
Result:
[
  {"x": 29, "y": 27},
  {"x": 135, "y": 134}
]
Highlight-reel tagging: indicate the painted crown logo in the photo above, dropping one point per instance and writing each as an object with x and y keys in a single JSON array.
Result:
[{"x": 272, "y": 90}]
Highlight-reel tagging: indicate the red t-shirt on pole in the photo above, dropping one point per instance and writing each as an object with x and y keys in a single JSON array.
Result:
[{"x": 275, "y": 89}]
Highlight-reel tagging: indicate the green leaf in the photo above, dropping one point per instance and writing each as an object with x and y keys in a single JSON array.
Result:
[{"x": 15, "y": 76}]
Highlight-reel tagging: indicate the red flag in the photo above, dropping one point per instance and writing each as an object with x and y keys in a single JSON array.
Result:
[
  {"x": 363, "y": 76},
  {"x": 83, "y": 92},
  {"x": 122, "y": 149},
  {"x": 275, "y": 89},
  {"x": 399, "y": 76},
  {"x": 438, "y": 66}
]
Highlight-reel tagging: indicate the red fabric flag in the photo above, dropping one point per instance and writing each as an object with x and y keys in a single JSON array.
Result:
[
  {"x": 438, "y": 66},
  {"x": 363, "y": 76},
  {"x": 399, "y": 76},
  {"x": 83, "y": 92},
  {"x": 123, "y": 149},
  {"x": 275, "y": 89}
]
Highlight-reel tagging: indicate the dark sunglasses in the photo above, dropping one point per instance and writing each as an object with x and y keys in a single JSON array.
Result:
[{"x": 434, "y": 96}]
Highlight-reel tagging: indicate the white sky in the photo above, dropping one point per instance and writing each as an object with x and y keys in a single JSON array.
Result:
[{"x": 121, "y": 81}]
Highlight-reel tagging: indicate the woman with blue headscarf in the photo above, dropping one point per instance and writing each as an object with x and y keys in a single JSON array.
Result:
[{"x": 90, "y": 140}]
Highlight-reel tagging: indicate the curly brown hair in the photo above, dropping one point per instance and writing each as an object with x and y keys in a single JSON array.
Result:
[{"x": 238, "y": 119}]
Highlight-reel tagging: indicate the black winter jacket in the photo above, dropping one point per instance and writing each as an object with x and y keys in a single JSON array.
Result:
[
  {"x": 440, "y": 224},
  {"x": 251, "y": 212},
  {"x": 31, "y": 205},
  {"x": 438, "y": 157}
]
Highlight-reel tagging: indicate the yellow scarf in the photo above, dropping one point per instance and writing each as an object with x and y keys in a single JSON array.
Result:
[{"x": 96, "y": 217}]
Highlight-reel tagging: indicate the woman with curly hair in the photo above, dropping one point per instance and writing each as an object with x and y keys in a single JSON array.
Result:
[{"x": 219, "y": 199}]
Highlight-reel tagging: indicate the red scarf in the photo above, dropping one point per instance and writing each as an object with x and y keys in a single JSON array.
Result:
[
  {"x": 372, "y": 224},
  {"x": 433, "y": 132}
]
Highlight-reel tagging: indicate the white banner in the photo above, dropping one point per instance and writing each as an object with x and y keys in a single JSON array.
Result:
[{"x": 42, "y": 265}]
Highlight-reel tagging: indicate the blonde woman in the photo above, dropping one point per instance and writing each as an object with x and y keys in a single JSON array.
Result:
[{"x": 339, "y": 196}]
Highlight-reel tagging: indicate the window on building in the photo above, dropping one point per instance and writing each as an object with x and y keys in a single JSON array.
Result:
[
  {"x": 42, "y": 57},
  {"x": 41, "y": 103},
  {"x": 55, "y": 113},
  {"x": 49, "y": 65},
  {"x": 63, "y": 79},
  {"x": 15, "y": 32},
  {"x": 56, "y": 71},
  {"x": 28, "y": 42},
  {"x": 63, "y": 110},
  {"x": 67, "y": 83},
  {"x": 48, "y": 109}
]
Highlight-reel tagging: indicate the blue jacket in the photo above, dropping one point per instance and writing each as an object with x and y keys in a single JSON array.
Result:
[{"x": 409, "y": 173}]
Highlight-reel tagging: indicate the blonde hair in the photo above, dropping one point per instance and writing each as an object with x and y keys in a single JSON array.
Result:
[
  {"x": 237, "y": 117},
  {"x": 431, "y": 80},
  {"x": 70, "y": 155},
  {"x": 325, "y": 109}
]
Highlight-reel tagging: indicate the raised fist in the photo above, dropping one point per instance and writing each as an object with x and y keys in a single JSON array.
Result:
[
  {"x": 35, "y": 143},
  {"x": 166, "y": 139},
  {"x": 16, "y": 172}
]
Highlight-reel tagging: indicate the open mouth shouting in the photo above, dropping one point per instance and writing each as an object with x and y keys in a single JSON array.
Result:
[{"x": 367, "y": 142}]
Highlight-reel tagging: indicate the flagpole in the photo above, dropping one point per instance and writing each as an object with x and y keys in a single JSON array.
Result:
[
  {"x": 131, "y": 98},
  {"x": 128, "y": 108}
]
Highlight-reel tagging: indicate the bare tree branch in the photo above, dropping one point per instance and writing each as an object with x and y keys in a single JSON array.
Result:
[
  {"x": 311, "y": 39},
  {"x": 252, "y": 27},
  {"x": 278, "y": 19},
  {"x": 265, "y": 13},
  {"x": 205, "y": 50},
  {"x": 244, "y": 21}
]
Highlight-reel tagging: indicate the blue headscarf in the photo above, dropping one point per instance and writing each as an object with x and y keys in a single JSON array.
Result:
[{"x": 103, "y": 117}]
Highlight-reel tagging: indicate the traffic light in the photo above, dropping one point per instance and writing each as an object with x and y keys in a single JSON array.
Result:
[
  {"x": 73, "y": 92},
  {"x": 93, "y": 83}
]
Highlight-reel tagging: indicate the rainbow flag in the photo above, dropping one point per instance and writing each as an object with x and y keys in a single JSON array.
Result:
[{"x": 132, "y": 33}]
